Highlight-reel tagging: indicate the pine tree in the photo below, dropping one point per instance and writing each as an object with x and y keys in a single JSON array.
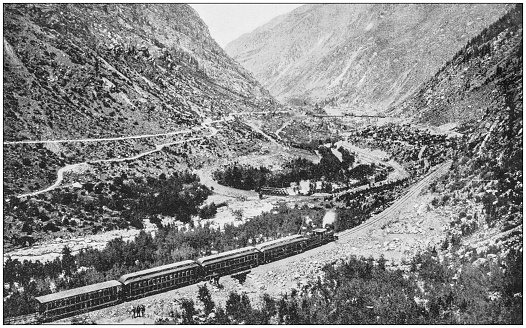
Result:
[
  {"x": 68, "y": 262},
  {"x": 205, "y": 297}
]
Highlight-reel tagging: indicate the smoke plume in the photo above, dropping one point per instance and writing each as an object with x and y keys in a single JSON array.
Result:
[{"x": 329, "y": 217}]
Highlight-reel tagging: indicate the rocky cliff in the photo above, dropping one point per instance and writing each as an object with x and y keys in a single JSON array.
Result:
[{"x": 358, "y": 56}]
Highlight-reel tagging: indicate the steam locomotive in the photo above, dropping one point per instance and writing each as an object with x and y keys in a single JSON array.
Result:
[{"x": 176, "y": 275}]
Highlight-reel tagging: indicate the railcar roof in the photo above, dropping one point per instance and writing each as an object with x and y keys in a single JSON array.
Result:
[
  {"x": 151, "y": 275},
  {"x": 77, "y": 291},
  {"x": 157, "y": 270},
  {"x": 227, "y": 255},
  {"x": 281, "y": 241}
]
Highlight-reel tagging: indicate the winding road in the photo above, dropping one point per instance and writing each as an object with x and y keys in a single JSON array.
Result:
[
  {"x": 159, "y": 147},
  {"x": 278, "y": 131},
  {"x": 142, "y": 136}
]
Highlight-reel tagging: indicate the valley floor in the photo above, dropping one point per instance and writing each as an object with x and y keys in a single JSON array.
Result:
[
  {"x": 238, "y": 201},
  {"x": 410, "y": 225}
]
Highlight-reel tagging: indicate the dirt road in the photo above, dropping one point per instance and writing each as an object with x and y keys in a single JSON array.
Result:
[
  {"x": 76, "y": 166},
  {"x": 142, "y": 136},
  {"x": 159, "y": 147}
]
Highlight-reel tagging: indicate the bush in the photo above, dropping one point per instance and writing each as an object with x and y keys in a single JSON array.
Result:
[
  {"x": 205, "y": 298},
  {"x": 188, "y": 311}
]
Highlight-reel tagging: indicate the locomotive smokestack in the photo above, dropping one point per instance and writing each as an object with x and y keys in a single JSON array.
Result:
[{"x": 329, "y": 218}]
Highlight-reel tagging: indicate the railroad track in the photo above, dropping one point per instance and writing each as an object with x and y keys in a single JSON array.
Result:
[{"x": 415, "y": 190}]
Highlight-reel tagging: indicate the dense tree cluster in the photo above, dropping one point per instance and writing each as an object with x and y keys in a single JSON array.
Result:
[{"x": 330, "y": 168}]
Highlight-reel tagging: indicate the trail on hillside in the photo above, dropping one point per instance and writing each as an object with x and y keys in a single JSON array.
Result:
[
  {"x": 142, "y": 136},
  {"x": 159, "y": 147},
  {"x": 73, "y": 167},
  {"x": 285, "y": 124}
]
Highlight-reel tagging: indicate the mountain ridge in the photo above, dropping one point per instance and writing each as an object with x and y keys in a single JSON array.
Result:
[{"x": 372, "y": 43}]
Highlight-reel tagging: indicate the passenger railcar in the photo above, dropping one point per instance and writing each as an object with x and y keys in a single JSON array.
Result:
[
  {"x": 163, "y": 278},
  {"x": 159, "y": 279},
  {"x": 79, "y": 300},
  {"x": 233, "y": 261},
  {"x": 277, "y": 249}
]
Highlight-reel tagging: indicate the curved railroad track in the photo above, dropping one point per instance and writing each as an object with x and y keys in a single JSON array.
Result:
[{"x": 415, "y": 190}]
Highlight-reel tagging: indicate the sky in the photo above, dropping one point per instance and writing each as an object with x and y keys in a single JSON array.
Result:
[{"x": 227, "y": 22}]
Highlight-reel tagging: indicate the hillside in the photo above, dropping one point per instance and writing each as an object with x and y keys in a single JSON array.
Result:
[
  {"x": 480, "y": 91},
  {"x": 82, "y": 62},
  {"x": 358, "y": 56},
  {"x": 99, "y": 71}
]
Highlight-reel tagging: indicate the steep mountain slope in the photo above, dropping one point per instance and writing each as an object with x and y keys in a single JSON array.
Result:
[
  {"x": 481, "y": 90},
  {"x": 68, "y": 67},
  {"x": 75, "y": 71},
  {"x": 362, "y": 56}
]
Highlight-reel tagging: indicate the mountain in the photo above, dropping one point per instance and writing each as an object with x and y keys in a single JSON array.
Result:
[
  {"x": 360, "y": 56},
  {"x": 69, "y": 67},
  {"x": 79, "y": 71},
  {"x": 480, "y": 91},
  {"x": 475, "y": 84}
]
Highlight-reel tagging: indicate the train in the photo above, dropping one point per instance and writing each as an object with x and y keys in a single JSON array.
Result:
[{"x": 160, "y": 279}]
